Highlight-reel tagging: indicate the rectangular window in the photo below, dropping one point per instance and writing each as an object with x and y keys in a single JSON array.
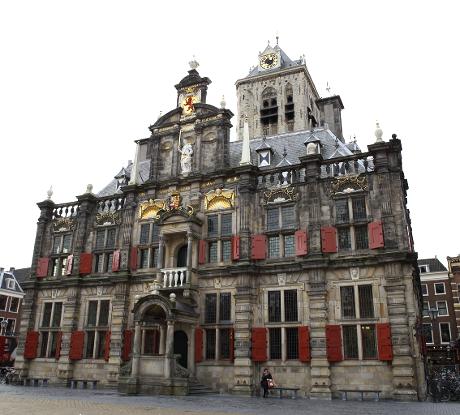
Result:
[
  {"x": 424, "y": 289},
  {"x": 51, "y": 322},
  {"x": 145, "y": 233},
  {"x": 100, "y": 238},
  {"x": 341, "y": 211},
  {"x": 226, "y": 225},
  {"x": 151, "y": 342},
  {"x": 428, "y": 333},
  {"x": 3, "y": 299},
  {"x": 212, "y": 254},
  {"x": 439, "y": 288},
  {"x": 104, "y": 313},
  {"x": 290, "y": 305},
  {"x": 292, "y": 343},
  {"x": 444, "y": 330},
  {"x": 368, "y": 341},
  {"x": 359, "y": 208},
  {"x": 144, "y": 258},
  {"x": 155, "y": 233},
  {"x": 108, "y": 262},
  {"x": 90, "y": 336},
  {"x": 224, "y": 343},
  {"x": 57, "y": 244},
  {"x": 100, "y": 344},
  {"x": 273, "y": 247},
  {"x": 210, "y": 343},
  {"x": 273, "y": 219},
  {"x": 344, "y": 239},
  {"x": 289, "y": 247},
  {"x": 347, "y": 298},
  {"x": 66, "y": 243},
  {"x": 361, "y": 237},
  {"x": 288, "y": 216},
  {"x": 426, "y": 308},
  {"x": 99, "y": 263},
  {"x": 366, "y": 301},
  {"x": 213, "y": 226},
  {"x": 98, "y": 317},
  {"x": 46, "y": 320},
  {"x": 44, "y": 343},
  {"x": 110, "y": 243},
  {"x": 442, "y": 308},
  {"x": 274, "y": 306},
  {"x": 14, "y": 305},
  {"x": 57, "y": 315},
  {"x": 275, "y": 343},
  {"x": 154, "y": 260},
  {"x": 225, "y": 307},
  {"x": 226, "y": 250},
  {"x": 350, "y": 342},
  {"x": 92, "y": 313},
  {"x": 210, "y": 308}
]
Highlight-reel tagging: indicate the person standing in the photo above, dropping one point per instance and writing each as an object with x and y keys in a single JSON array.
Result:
[{"x": 266, "y": 381}]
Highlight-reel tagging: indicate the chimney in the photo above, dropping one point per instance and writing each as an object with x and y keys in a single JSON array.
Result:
[{"x": 331, "y": 114}]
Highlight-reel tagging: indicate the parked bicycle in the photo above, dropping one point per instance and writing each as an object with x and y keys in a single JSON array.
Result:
[
  {"x": 443, "y": 385},
  {"x": 6, "y": 375}
]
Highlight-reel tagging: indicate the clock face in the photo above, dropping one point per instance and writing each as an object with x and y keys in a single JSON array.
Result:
[{"x": 269, "y": 61}]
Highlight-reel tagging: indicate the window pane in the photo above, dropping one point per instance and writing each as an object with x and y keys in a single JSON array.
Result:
[
  {"x": 288, "y": 216},
  {"x": 44, "y": 343},
  {"x": 212, "y": 251},
  {"x": 108, "y": 262},
  {"x": 99, "y": 259},
  {"x": 92, "y": 313},
  {"x": 154, "y": 257},
  {"x": 151, "y": 342},
  {"x": 104, "y": 313},
  {"x": 67, "y": 241},
  {"x": 344, "y": 238},
  {"x": 426, "y": 307},
  {"x": 226, "y": 225},
  {"x": 225, "y": 307},
  {"x": 57, "y": 313},
  {"x": 289, "y": 247},
  {"x": 110, "y": 238},
  {"x": 210, "y": 308},
  {"x": 63, "y": 266},
  {"x": 439, "y": 288},
  {"x": 274, "y": 306},
  {"x": 210, "y": 343},
  {"x": 368, "y": 341},
  {"x": 347, "y": 297},
  {"x": 57, "y": 244},
  {"x": 155, "y": 233},
  {"x": 442, "y": 308},
  {"x": 361, "y": 237},
  {"x": 292, "y": 343},
  {"x": 100, "y": 344},
  {"x": 341, "y": 211},
  {"x": 445, "y": 332},
  {"x": 56, "y": 265},
  {"x": 424, "y": 289},
  {"x": 145, "y": 233},
  {"x": 272, "y": 219},
  {"x": 14, "y": 304},
  {"x": 100, "y": 235},
  {"x": 428, "y": 333},
  {"x": 89, "y": 344},
  {"x": 3, "y": 299},
  {"x": 144, "y": 258},
  {"x": 212, "y": 226},
  {"x": 275, "y": 343},
  {"x": 290, "y": 305},
  {"x": 224, "y": 343},
  {"x": 226, "y": 250},
  {"x": 350, "y": 342},
  {"x": 47, "y": 315},
  {"x": 274, "y": 247},
  {"x": 366, "y": 301},
  {"x": 359, "y": 208},
  {"x": 53, "y": 344}
]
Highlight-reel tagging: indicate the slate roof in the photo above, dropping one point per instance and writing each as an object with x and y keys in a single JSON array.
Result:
[
  {"x": 434, "y": 265},
  {"x": 286, "y": 62},
  {"x": 21, "y": 274},
  {"x": 4, "y": 277}
]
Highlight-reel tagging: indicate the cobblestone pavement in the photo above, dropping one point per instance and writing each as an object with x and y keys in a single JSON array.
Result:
[{"x": 49, "y": 401}]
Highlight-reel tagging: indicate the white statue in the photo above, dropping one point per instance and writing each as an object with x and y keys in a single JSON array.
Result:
[
  {"x": 186, "y": 158},
  {"x": 311, "y": 148}
]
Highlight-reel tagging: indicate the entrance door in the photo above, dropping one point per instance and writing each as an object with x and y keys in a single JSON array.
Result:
[
  {"x": 181, "y": 346},
  {"x": 182, "y": 257}
]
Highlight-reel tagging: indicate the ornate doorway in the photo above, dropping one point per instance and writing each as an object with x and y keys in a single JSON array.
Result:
[{"x": 181, "y": 347}]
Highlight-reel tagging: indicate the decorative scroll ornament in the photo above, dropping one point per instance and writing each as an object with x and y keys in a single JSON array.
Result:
[
  {"x": 348, "y": 184},
  {"x": 281, "y": 194},
  {"x": 107, "y": 218},
  {"x": 219, "y": 199},
  {"x": 150, "y": 208},
  {"x": 173, "y": 206},
  {"x": 63, "y": 224}
]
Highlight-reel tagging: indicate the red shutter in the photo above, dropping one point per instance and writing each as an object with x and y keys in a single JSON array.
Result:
[
  {"x": 42, "y": 267},
  {"x": 235, "y": 248},
  {"x": 334, "y": 343},
  {"x": 258, "y": 247},
  {"x": 30, "y": 347},
  {"x": 133, "y": 259},
  {"x": 198, "y": 344},
  {"x": 304, "y": 344},
  {"x": 77, "y": 340},
  {"x": 329, "y": 239},
  {"x": 107, "y": 346},
  {"x": 58, "y": 345},
  {"x": 202, "y": 251},
  {"x": 127, "y": 345},
  {"x": 301, "y": 244},
  {"x": 2, "y": 348},
  {"x": 116, "y": 261},
  {"x": 259, "y": 344},
  {"x": 384, "y": 342},
  {"x": 86, "y": 263},
  {"x": 375, "y": 230},
  {"x": 232, "y": 344},
  {"x": 68, "y": 265}
]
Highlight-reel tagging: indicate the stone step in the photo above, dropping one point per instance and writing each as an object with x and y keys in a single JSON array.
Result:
[{"x": 199, "y": 389}]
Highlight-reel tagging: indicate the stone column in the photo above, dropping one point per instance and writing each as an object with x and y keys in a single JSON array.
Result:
[
  {"x": 161, "y": 349},
  {"x": 136, "y": 350},
  {"x": 189, "y": 254},
  {"x": 191, "y": 352},
  {"x": 169, "y": 354}
]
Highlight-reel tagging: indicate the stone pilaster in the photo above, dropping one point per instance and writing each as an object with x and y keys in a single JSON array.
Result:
[{"x": 127, "y": 219}]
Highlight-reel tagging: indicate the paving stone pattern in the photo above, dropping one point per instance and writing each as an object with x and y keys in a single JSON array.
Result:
[{"x": 50, "y": 401}]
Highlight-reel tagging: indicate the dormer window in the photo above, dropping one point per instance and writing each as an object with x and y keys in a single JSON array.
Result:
[
  {"x": 264, "y": 158},
  {"x": 10, "y": 283},
  {"x": 424, "y": 269}
]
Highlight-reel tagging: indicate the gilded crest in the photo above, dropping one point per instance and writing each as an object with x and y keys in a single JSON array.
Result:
[
  {"x": 150, "y": 208},
  {"x": 107, "y": 218},
  {"x": 348, "y": 184},
  {"x": 63, "y": 224},
  {"x": 280, "y": 194},
  {"x": 219, "y": 199},
  {"x": 173, "y": 205}
]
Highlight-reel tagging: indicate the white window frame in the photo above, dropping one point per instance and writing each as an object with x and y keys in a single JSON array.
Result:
[
  {"x": 444, "y": 286},
  {"x": 425, "y": 294},
  {"x": 50, "y": 328},
  {"x": 9, "y": 305},
  {"x": 96, "y": 328},
  {"x": 440, "y": 334},
  {"x": 10, "y": 283},
  {"x": 447, "y": 308},
  {"x": 428, "y": 309},
  {"x": 432, "y": 334},
  {"x": 13, "y": 325},
  {"x": 260, "y": 157},
  {"x": 426, "y": 267},
  {"x": 6, "y": 302}
]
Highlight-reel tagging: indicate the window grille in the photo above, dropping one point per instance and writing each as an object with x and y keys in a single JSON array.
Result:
[
  {"x": 288, "y": 216},
  {"x": 155, "y": 233},
  {"x": 274, "y": 306},
  {"x": 100, "y": 237},
  {"x": 213, "y": 226},
  {"x": 226, "y": 225},
  {"x": 210, "y": 308},
  {"x": 273, "y": 219},
  {"x": 224, "y": 343},
  {"x": 359, "y": 208},
  {"x": 273, "y": 247},
  {"x": 210, "y": 343},
  {"x": 347, "y": 297},
  {"x": 361, "y": 237},
  {"x": 368, "y": 341},
  {"x": 225, "y": 307},
  {"x": 366, "y": 301},
  {"x": 144, "y": 258},
  {"x": 110, "y": 243},
  {"x": 341, "y": 211},
  {"x": 289, "y": 245},
  {"x": 344, "y": 238},
  {"x": 350, "y": 342},
  {"x": 226, "y": 250},
  {"x": 290, "y": 305},
  {"x": 212, "y": 252},
  {"x": 145, "y": 231},
  {"x": 292, "y": 341},
  {"x": 51, "y": 323},
  {"x": 275, "y": 343}
]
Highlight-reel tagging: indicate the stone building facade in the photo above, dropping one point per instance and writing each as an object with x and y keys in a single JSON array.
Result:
[{"x": 205, "y": 260}]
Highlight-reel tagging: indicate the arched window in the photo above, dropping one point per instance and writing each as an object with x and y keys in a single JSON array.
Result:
[
  {"x": 269, "y": 111},
  {"x": 289, "y": 108}
]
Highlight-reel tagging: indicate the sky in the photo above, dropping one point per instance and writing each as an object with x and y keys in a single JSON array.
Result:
[{"x": 80, "y": 81}]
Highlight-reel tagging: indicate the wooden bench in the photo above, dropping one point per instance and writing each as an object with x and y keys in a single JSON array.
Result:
[
  {"x": 280, "y": 389},
  {"x": 345, "y": 393},
  {"x": 35, "y": 382},
  {"x": 73, "y": 383}
]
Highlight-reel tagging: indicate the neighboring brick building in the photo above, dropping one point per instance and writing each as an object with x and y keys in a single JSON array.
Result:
[
  {"x": 454, "y": 275},
  {"x": 208, "y": 259}
]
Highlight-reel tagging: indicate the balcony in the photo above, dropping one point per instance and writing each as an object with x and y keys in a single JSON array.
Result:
[{"x": 175, "y": 277}]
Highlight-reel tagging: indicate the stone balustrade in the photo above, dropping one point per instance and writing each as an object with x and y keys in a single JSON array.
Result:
[{"x": 174, "y": 277}]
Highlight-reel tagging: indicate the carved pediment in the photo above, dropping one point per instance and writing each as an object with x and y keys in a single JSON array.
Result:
[
  {"x": 280, "y": 194},
  {"x": 108, "y": 218},
  {"x": 219, "y": 199},
  {"x": 63, "y": 224},
  {"x": 150, "y": 208},
  {"x": 348, "y": 184}
]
